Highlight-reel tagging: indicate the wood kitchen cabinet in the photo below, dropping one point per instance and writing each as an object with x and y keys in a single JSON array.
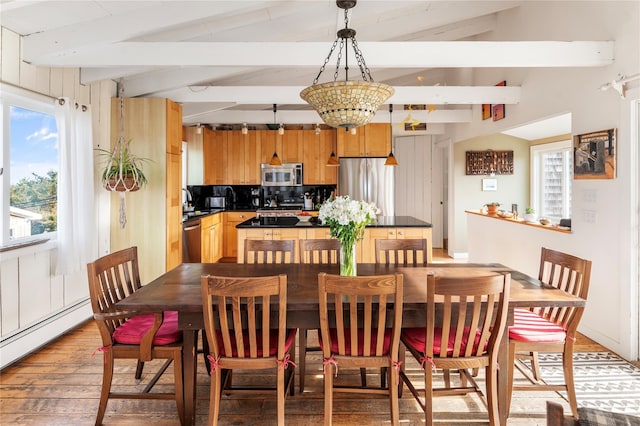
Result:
[
  {"x": 154, "y": 125},
  {"x": 373, "y": 234},
  {"x": 211, "y": 238},
  {"x": 371, "y": 140},
  {"x": 244, "y": 156},
  {"x": 292, "y": 146},
  {"x": 214, "y": 154},
  {"x": 317, "y": 149},
  {"x": 270, "y": 234},
  {"x": 231, "y": 220}
]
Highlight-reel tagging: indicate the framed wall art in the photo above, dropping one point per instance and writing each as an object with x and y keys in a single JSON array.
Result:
[
  {"x": 498, "y": 109},
  {"x": 594, "y": 155},
  {"x": 486, "y": 111}
]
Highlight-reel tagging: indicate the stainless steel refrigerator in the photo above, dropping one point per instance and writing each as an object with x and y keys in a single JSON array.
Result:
[{"x": 370, "y": 180}]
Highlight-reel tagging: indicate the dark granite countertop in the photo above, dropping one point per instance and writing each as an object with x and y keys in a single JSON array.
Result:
[{"x": 293, "y": 222}]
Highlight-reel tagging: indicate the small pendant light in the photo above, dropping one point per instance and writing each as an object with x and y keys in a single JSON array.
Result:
[
  {"x": 391, "y": 159},
  {"x": 333, "y": 159},
  {"x": 275, "y": 160}
]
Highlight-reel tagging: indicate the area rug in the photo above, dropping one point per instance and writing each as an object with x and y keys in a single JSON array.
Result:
[{"x": 602, "y": 379}]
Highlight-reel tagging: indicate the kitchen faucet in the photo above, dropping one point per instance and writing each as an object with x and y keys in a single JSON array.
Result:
[{"x": 233, "y": 194}]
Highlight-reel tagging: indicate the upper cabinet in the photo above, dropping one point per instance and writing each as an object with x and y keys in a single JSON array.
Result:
[
  {"x": 244, "y": 154},
  {"x": 371, "y": 140},
  {"x": 214, "y": 154},
  {"x": 292, "y": 146},
  {"x": 317, "y": 149}
]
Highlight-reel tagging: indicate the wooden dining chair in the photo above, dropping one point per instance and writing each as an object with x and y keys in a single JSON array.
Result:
[
  {"x": 551, "y": 329},
  {"x": 131, "y": 335},
  {"x": 402, "y": 252},
  {"x": 470, "y": 315},
  {"x": 362, "y": 329},
  {"x": 324, "y": 251},
  {"x": 269, "y": 251},
  {"x": 242, "y": 335}
]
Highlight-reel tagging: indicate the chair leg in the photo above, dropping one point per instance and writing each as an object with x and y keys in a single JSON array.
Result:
[
  {"x": 302, "y": 343},
  {"x": 107, "y": 377},
  {"x": 510, "y": 368},
  {"x": 491, "y": 373},
  {"x": 401, "y": 360},
  {"x": 214, "y": 396},
  {"x": 328, "y": 393},
  {"x": 428, "y": 394},
  {"x": 139, "y": 368},
  {"x": 280, "y": 390},
  {"x": 535, "y": 365},
  {"x": 394, "y": 378},
  {"x": 567, "y": 366},
  {"x": 205, "y": 352}
]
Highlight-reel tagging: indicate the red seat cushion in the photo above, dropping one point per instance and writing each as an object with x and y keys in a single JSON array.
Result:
[
  {"x": 132, "y": 331},
  {"x": 374, "y": 340},
  {"x": 273, "y": 343},
  {"x": 415, "y": 337},
  {"x": 531, "y": 327}
]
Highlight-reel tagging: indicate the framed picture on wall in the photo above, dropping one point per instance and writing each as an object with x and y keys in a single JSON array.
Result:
[
  {"x": 486, "y": 111},
  {"x": 498, "y": 109},
  {"x": 594, "y": 155},
  {"x": 489, "y": 184}
]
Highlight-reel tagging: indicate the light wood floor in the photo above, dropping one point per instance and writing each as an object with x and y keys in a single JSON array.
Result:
[{"x": 60, "y": 385}]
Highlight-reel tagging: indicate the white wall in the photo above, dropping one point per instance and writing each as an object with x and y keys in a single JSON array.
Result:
[
  {"x": 36, "y": 305},
  {"x": 609, "y": 239}
]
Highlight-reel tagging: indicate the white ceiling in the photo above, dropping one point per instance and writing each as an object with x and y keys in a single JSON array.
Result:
[{"x": 229, "y": 61}]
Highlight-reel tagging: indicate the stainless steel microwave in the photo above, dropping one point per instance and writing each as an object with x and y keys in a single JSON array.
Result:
[{"x": 288, "y": 174}]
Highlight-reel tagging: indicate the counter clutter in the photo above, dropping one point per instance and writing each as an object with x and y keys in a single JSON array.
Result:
[{"x": 510, "y": 218}]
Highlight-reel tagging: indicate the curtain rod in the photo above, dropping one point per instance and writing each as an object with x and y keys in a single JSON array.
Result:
[
  {"x": 55, "y": 98},
  {"x": 61, "y": 102}
]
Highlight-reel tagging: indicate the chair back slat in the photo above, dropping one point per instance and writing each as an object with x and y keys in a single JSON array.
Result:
[
  {"x": 362, "y": 306},
  {"x": 242, "y": 315},
  {"x": 401, "y": 252},
  {"x": 473, "y": 315},
  {"x": 269, "y": 251},
  {"x": 320, "y": 251},
  {"x": 568, "y": 273}
]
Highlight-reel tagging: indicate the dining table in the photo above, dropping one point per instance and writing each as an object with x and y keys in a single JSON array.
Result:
[{"x": 179, "y": 290}]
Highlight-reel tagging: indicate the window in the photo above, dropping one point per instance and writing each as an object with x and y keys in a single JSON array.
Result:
[
  {"x": 29, "y": 167},
  {"x": 551, "y": 176}
]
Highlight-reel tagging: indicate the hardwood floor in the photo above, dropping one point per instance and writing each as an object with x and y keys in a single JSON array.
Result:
[{"x": 60, "y": 385}]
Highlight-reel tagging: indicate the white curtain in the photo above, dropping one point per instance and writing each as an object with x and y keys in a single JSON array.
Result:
[{"x": 76, "y": 210}]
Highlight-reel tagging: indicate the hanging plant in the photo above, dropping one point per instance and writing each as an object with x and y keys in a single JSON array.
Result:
[{"x": 123, "y": 170}]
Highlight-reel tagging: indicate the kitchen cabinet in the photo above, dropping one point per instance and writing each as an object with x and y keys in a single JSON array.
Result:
[
  {"x": 214, "y": 154},
  {"x": 269, "y": 142},
  {"x": 317, "y": 149},
  {"x": 244, "y": 155},
  {"x": 230, "y": 221},
  {"x": 154, "y": 125},
  {"x": 292, "y": 146},
  {"x": 270, "y": 234},
  {"x": 371, "y": 140},
  {"x": 373, "y": 234},
  {"x": 212, "y": 236}
]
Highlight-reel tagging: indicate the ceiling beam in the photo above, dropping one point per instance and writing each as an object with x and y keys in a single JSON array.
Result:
[
  {"x": 494, "y": 54},
  {"x": 436, "y": 95},
  {"x": 310, "y": 117}
]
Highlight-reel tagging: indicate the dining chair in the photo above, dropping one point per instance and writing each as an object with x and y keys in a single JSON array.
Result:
[
  {"x": 131, "y": 335},
  {"x": 470, "y": 315},
  {"x": 269, "y": 251},
  {"x": 324, "y": 251},
  {"x": 242, "y": 335},
  {"x": 402, "y": 252},
  {"x": 551, "y": 329},
  {"x": 362, "y": 329}
]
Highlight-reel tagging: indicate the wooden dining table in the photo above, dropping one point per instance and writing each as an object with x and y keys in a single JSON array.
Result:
[{"x": 179, "y": 290}]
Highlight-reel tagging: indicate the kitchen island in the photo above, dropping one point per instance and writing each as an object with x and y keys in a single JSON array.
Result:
[{"x": 290, "y": 228}]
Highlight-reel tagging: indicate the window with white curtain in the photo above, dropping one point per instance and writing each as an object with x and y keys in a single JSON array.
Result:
[
  {"x": 29, "y": 166},
  {"x": 551, "y": 177}
]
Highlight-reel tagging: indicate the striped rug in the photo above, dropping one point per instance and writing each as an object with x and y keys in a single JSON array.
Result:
[{"x": 602, "y": 379}]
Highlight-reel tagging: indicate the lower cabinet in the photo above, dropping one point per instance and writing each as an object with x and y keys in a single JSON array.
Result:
[
  {"x": 231, "y": 220},
  {"x": 365, "y": 248},
  {"x": 211, "y": 239}
]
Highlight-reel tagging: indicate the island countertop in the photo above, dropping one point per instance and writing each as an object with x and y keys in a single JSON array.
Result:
[{"x": 293, "y": 222}]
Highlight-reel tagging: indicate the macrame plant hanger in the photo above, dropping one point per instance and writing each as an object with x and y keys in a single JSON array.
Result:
[{"x": 125, "y": 180}]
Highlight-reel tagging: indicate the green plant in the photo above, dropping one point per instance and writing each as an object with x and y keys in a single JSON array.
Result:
[
  {"x": 529, "y": 210},
  {"x": 123, "y": 169}
]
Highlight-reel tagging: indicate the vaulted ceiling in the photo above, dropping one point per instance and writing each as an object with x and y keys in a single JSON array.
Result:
[{"x": 229, "y": 61}]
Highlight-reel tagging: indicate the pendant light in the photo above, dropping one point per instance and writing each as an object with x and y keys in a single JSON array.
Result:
[
  {"x": 245, "y": 129},
  {"x": 391, "y": 159},
  {"x": 333, "y": 159},
  {"x": 275, "y": 160},
  {"x": 347, "y": 103}
]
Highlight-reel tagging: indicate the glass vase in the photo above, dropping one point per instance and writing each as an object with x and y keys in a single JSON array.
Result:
[{"x": 348, "y": 266}]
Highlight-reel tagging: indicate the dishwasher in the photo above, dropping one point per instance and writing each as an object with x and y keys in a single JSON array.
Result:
[{"x": 191, "y": 237}]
